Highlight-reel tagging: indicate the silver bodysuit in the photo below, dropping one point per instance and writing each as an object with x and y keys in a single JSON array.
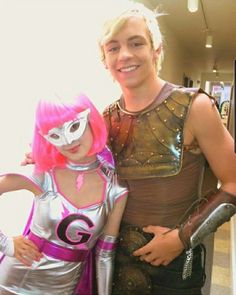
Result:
[{"x": 57, "y": 220}]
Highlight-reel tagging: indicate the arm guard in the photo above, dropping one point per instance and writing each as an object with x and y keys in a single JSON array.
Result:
[
  {"x": 218, "y": 208},
  {"x": 6, "y": 245},
  {"x": 105, "y": 253}
]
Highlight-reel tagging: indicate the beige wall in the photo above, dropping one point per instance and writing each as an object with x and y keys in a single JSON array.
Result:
[
  {"x": 226, "y": 77},
  {"x": 179, "y": 61}
]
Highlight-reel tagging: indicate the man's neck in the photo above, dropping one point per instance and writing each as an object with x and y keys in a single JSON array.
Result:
[{"x": 138, "y": 98}]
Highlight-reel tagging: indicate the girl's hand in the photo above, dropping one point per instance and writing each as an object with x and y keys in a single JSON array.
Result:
[{"x": 26, "y": 251}]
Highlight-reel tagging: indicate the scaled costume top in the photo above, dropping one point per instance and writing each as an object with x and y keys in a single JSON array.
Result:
[
  {"x": 162, "y": 176},
  {"x": 163, "y": 179},
  {"x": 58, "y": 221}
]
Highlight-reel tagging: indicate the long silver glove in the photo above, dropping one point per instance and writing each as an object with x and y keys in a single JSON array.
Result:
[
  {"x": 6, "y": 245},
  {"x": 105, "y": 253}
]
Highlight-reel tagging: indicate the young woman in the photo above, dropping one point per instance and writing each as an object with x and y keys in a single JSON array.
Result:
[{"x": 78, "y": 206}]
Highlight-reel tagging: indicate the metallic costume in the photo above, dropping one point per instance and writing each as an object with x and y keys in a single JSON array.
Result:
[
  {"x": 65, "y": 234},
  {"x": 105, "y": 253},
  {"x": 163, "y": 178},
  {"x": 6, "y": 244}
]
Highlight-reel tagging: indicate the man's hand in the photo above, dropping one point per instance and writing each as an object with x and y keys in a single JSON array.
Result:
[
  {"x": 26, "y": 251},
  {"x": 27, "y": 160},
  {"x": 163, "y": 248}
]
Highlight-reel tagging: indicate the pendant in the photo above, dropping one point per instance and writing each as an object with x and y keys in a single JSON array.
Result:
[{"x": 81, "y": 168}]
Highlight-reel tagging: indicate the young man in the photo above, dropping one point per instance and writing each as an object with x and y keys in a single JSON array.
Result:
[{"x": 160, "y": 135}]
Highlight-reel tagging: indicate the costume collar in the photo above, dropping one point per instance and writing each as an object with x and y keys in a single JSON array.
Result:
[{"x": 83, "y": 167}]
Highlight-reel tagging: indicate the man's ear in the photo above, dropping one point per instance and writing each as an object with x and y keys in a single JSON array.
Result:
[{"x": 158, "y": 51}]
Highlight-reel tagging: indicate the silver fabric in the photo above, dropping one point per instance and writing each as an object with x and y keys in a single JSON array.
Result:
[
  {"x": 51, "y": 276},
  {"x": 220, "y": 215},
  {"x": 6, "y": 244},
  {"x": 83, "y": 167},
  {"x": 105, "y": 266}
]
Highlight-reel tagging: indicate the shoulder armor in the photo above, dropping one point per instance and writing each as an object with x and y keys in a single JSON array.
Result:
[{"x": 109, "y": 109}]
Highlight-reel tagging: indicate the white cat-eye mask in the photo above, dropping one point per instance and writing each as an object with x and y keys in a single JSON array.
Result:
[{"x": 69, "y": 131}]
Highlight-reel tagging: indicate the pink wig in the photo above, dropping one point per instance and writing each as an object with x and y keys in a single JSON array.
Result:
[{"x": 50, "y": 115}]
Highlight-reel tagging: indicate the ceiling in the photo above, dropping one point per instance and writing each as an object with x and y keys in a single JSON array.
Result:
[{"x": 190, "y": 29}]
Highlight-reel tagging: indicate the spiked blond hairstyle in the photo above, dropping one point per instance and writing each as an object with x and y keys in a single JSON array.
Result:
[{"x": 116, "y": 22}]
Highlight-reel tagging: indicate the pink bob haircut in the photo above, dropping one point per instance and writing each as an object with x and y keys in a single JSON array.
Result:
[{"x": 54, "y": 114}]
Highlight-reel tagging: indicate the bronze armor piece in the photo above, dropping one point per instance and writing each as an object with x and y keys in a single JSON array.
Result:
[{"x": 149, "y": 143}]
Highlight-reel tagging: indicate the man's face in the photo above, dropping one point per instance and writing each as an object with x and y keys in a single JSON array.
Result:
[{"x": 129, "y": 54}]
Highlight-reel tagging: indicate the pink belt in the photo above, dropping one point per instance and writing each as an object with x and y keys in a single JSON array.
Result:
[{"x": 56, "y": 251}]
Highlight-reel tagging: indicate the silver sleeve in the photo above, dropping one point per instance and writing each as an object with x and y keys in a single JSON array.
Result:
[
  {"x": 6, "y": 245},
  {"x": 105, "y": 254}
]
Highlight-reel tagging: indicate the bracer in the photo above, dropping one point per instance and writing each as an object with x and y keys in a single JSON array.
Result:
[{"x": 217, "y": 208}]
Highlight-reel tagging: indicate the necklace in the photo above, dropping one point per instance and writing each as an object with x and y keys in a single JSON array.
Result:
[{"x": 81, "y": 168}]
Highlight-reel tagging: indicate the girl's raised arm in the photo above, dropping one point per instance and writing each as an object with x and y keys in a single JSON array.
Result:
[{"x": 13, "y": 182}]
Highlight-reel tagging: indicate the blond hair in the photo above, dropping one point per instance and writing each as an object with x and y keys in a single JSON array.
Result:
[{"x": 116, "y": 22}]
